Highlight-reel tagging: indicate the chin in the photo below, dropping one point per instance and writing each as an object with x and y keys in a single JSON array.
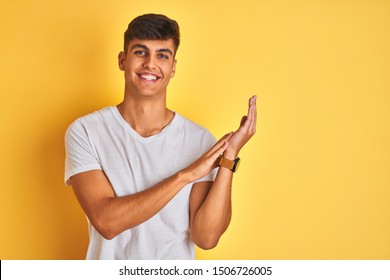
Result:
[{"x": 150, "y": 94}]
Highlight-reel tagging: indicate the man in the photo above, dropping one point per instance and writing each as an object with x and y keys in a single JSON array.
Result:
[{"x": 145, "y": 176}]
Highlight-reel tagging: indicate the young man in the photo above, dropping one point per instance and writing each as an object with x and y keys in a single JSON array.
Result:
[{"x": 145, "y": 176}]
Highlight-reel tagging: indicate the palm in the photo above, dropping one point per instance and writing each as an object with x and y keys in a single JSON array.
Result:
[{"x": 246, "y": 130}]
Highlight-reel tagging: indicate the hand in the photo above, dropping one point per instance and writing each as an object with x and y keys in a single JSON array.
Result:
[
  {"x": 246, "y": 130},
  {"x": 203, "y": 165}
]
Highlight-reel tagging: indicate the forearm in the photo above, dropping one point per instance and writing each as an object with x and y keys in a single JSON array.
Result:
[
  {"x": 213, "y": 217},
  {"x": 210, "y": 217},
  {"x": 112, "y": 215}
]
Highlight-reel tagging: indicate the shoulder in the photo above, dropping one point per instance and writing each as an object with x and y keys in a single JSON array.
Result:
[
  {"x": 92, "y": 119},
  {"x": 90, "y": 122}
]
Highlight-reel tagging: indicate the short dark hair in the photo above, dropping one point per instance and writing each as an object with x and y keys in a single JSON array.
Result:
[{"x": 152, "y": 27}]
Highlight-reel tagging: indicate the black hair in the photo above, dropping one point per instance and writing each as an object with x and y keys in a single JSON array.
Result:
[{"x": 152, "y": 27}]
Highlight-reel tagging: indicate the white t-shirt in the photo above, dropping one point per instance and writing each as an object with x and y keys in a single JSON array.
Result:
[{"x": 103, "y": 140}]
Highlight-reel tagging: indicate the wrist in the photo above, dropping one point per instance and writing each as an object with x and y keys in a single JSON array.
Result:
[
  {"x": 231, "y": 165},
  {"x": 183, "y": 177},
  {"x": 230, "y": 154}
]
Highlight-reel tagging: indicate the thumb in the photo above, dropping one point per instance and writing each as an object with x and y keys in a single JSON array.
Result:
[{"x": 243, "y": 119}]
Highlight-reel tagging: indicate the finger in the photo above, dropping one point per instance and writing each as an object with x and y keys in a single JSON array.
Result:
[
  {"x": 251, "y": 104},
  {"x": 214, "y": 156},
  {"x": 255, "y": 117},
  {"x": 252, "y": 115},
  {"x": 229, "y": 135},
  {"x": 243, "y": 119},
  {"x": 248, "y": 119},
  {"x": 252, "y": 127},
  {"x": 226, "y": 137},
  {"x": 220, "y": 143}
]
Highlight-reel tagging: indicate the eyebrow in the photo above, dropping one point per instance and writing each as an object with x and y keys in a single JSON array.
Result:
[{"x": 140, "y": 46}]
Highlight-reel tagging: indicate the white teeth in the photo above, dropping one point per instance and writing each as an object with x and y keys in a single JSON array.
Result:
[{"x": 149, "y": 77}]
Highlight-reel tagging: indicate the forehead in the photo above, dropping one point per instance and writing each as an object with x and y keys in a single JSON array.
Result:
[{"x": 153, "y": 45}]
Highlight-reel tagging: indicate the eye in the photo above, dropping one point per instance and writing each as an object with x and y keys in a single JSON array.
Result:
[
  {"x": 140, "y": 52},
  {"x": 163, "y": 56}
]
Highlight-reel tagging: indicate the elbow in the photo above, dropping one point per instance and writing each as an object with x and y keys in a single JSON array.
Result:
[
  {"x": 107, "y": 234},
  {"x": 207, "y": 246},
  {"x": 207, "y": 243},
  {"x": 105, "y": 228}
]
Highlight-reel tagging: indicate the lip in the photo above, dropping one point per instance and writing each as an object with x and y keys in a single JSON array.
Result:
[{"x": 148, "y": 77}]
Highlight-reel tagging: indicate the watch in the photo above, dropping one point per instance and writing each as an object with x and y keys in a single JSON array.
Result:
[{"x": 229, "y": 164}]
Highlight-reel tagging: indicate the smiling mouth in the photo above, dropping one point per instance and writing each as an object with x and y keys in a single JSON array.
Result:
[{"x": 149, "y": 77}]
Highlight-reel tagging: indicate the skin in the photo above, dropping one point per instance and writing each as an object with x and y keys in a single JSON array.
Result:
[{"x": 148, "y": 66}]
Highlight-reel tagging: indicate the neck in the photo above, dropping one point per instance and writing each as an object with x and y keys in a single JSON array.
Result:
[{"x": 146, "y": 116}]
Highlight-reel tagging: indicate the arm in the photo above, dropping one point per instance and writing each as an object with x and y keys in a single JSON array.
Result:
[
  {"x": 210, "y": 202},
  {"x": 110, "y": 215}
]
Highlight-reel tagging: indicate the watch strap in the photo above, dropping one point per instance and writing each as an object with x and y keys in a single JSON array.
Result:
[{"x": 227, "y": 163}]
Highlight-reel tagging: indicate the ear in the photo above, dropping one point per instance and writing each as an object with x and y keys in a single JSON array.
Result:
[
  {"x": 121, "y": 60},
  {"x": 173, "y": 68}
]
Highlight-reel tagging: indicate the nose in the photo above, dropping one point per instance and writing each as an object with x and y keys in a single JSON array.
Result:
[{"x": 149, "y": 62}]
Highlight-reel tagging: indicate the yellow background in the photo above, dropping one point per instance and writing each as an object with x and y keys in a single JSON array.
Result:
[{"x": 314, "y": 182}]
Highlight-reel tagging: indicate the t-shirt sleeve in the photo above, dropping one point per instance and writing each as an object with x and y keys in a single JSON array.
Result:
[
  {"x": 80, "y": 155},
  {"x": 208, "y": 141}
]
